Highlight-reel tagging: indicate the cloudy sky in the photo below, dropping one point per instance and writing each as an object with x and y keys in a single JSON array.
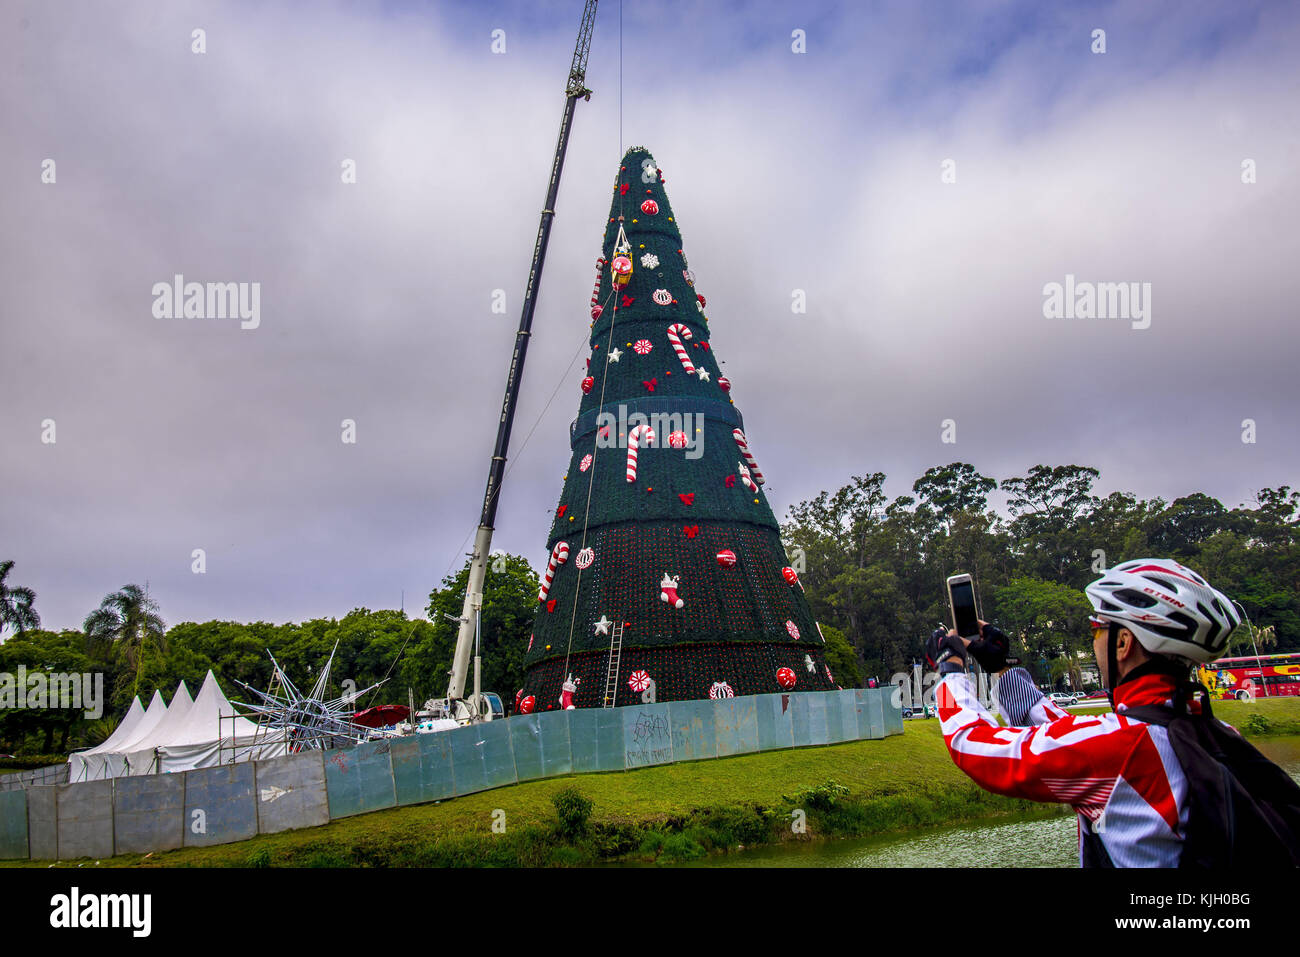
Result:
[{"x": 822, "y": 171}]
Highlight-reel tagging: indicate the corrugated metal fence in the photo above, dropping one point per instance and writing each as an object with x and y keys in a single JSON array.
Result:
[{"x": 234, "y": 802}]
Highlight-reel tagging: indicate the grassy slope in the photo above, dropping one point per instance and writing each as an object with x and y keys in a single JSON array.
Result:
[{"x": 680, "y": 810}]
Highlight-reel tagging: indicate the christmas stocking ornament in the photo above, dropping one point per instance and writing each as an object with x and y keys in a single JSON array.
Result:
[
  {"x": 668, "y": 591},
  {"x": 567, "y": 691}
]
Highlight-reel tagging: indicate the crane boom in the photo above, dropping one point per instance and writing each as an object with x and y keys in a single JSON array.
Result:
[{"x": 472, "y": 708}]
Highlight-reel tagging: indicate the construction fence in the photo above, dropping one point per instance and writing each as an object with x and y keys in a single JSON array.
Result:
[{"x": 98, "y": 819}]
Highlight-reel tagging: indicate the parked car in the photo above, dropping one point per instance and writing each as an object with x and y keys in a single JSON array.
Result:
[
  {"x": 1063, "y": 700},
  {"x": 926, "y": 712}
]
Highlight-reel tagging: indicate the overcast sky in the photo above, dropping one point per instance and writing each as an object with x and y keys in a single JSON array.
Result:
[{"x": 820, "y": 171}]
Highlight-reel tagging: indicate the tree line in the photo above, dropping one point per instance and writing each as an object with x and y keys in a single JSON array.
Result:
[
  {"x": 876, "y": 567},
  {"x": 873, "y": 570}
]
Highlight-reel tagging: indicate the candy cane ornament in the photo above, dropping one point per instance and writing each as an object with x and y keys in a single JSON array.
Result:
[
  {"x": 743, "y": 444},
  {"x": 596, "y": 308},
  {"x": 633, "y": 439},
  {"x": 676, "y": 332},
  {"x": 559, "y": 555},
  {"x": 744, "y": 476}
]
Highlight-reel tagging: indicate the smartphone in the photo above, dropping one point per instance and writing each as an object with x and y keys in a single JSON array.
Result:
[{"x": 961, "y": 599}]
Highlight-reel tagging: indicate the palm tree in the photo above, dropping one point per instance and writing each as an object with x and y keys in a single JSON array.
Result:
[
  {"x": 16, "y": 604},
  {"x": 128, "y": 621}
]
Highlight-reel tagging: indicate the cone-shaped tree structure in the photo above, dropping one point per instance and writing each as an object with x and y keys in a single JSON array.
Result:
[{"x": 662, "y": 526}]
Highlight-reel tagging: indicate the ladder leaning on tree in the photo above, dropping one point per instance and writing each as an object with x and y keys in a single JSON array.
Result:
[{"x": 615, "y": 658}]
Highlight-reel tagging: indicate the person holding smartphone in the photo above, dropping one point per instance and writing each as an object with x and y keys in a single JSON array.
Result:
[{"x": 1154, "y": 619}]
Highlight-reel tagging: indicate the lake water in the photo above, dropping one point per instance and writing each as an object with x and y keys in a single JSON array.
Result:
[{"x": 1046, "y": 842}]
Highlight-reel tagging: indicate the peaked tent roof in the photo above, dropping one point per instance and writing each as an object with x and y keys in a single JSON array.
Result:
[
  {"x": 202, "y": 722},
  {"x": 176, "y": 711},
  {"x": 154, "y": 716},
  {"x": 124, "y": 730}
]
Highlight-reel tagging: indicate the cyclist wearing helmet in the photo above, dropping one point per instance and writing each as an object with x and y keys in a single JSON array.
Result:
[{"x": 1154, "y": 619}]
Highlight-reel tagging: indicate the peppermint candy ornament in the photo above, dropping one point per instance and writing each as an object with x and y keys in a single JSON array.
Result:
[
  {"x": 689, "y": 277},
  {"x": 638, "y": 681},
  {"x": 643, "y": 347},
  {"x": 677, "y": 440},
  {"x": 785, "y": 677},
  {"x": 650, "y": 207},
  {"x": 720, "y": 689},
  {"x": 727, "y": 558},
  {"x": 585, "y": 463},
  {"x": 793, "y": 629}
]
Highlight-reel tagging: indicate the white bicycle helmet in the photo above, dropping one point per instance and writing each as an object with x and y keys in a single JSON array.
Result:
[{"x": 1170, "y": 609}]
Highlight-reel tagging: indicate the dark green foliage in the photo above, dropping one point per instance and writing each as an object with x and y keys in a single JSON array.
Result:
[
  {"x": 573, "y": 808},
  {"x": 822, "y": 797},
  {"x": 875, "y": 568}
]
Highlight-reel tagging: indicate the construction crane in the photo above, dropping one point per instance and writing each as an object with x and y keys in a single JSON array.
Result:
[{"x": 479, "y": 706}]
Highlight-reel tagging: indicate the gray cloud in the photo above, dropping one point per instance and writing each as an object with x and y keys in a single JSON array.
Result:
[{"x": 817, "y": 172}]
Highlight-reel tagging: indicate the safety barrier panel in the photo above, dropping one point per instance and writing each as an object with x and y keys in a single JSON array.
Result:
[
  {"x": 13, "y": 825},
  {"x": 148, "y": 813},
  {"x": 291, "y": 792},
  {"x": 220, "y": 805},
  {"x": 235, "y": 802}
]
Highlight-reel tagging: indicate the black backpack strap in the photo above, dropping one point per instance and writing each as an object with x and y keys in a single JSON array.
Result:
[{"x": 1245, "y": 810}]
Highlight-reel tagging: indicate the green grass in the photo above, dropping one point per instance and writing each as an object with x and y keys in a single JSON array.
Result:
[{"x": 671, "y": 812}]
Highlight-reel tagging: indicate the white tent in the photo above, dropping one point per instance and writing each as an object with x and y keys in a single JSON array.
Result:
[
  {"x": 212, "y": 733},
  {"x": 81, "y": 763},
  {"x": 108, "y": 761},
  {"x": 139, "y": 751},
  {"x": 199, "y": 732}
]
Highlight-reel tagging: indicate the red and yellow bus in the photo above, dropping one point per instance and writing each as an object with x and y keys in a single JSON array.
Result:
[{"x": 1263, "y": 676}]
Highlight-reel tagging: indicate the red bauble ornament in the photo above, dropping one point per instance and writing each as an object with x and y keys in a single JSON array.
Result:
[
  {"x": 649, "y": 207},
  {"x": 527, "y": 704},
  {"x": 587, "y": 383},
  {"x": 790, "y": 575},
  {"x": 785, "y": 677},
  {"x": 727, "y": 558},
  {"x": 724, "y": 383}
]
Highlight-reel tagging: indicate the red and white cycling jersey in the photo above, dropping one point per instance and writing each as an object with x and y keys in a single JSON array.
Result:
[{"x": 1119, "y": 774}]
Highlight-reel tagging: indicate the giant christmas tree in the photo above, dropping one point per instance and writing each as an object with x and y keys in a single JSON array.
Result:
[{"x": 667, "y": 578}]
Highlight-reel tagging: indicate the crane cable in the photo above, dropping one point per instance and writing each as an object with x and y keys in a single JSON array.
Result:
[{"x": 620, "y": 240}]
